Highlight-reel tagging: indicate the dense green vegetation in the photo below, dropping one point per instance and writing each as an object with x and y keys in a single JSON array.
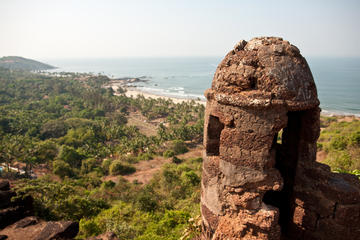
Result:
[
  {"x": 20, "y": 63},
  {"x": 76, "y": 131},
  {"x": 341, "y": 142},
  {"x": 160, "y": 210}
]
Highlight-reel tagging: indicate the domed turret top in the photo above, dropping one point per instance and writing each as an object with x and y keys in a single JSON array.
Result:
[{"x": 263, "y": 72}]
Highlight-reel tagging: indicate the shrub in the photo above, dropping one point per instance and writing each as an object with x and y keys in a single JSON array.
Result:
[
  {"x": 338, "y": 143},
  {"x": 128, "y": 159},
  {"x": 106, "y": 165},
  {"x": 62, "y": 169},
  {"x": 176, "y": 160},
  {"x": 341, "y": 141},
  {"x": 173, "y": 218},
  {"x": 108, "y": 184},
  {"x": 170, "y": 226},
  {"x": 168, "y": 153},
  {"x": 89, "y": 228},
  {"x": 319, "y": 146},
  {"x": 196, "y": 160},
  {"x": 70, "y": 156},
  {"x": 326, "y": 121},
  {"x": 47, "y": 150},
  {"x": 77, "y": 207},
  {"x": 179, "y": 147},
  {"x": 117, "y": 219},
  {"x": 170, "y": 175},
  {"x": 147, "y": 200},
  {"x": 119, "y": 168},
  {"x": 144, "y": 156},
  {"x": 119, "y": 118},
  {"x": 88, "y": 165},
  {"x": 354, "y": 139},
  {"x": 190, "y": 178},
  {"x": 90, "y": 180},
  {"x": 53, "y": 129},
  {"x": 66, "y": 200},
  {"x": 339, "y": 160}
]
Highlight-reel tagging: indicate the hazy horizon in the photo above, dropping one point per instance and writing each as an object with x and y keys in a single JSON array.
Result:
[{"x": 45, "y": 30}]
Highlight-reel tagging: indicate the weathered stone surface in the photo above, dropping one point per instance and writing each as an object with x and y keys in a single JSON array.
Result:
[
  {"x": 248, "y": 225},
  {"x": 10, "y": 215},
  {"x": 16, "y": 224},
  {"x": 32, "y": 228},
  {"x": 348, "y": 213},
  {"x": 59, "y": 230},
  {"x": 254, "y": 186},
  {"x": 25, "y": 222},
  {"x": 264, "y": 71},
  {"x": 12, "y": 211}
]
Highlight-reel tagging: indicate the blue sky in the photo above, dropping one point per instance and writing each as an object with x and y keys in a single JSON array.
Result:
[{"x": 45, "y": 29}]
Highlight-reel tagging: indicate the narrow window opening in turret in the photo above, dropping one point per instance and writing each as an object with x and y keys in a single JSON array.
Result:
[
  {"x": 278, "y": 137},
  {"x": 213, "y": 136},
  {"x": 286, "y": 143},
  {"x": 253, "y": 83}
]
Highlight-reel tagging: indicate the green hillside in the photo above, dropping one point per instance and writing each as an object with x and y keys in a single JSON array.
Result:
[
  {"x": 13, "y": 62},
  {"x": 96, "y": 161}
]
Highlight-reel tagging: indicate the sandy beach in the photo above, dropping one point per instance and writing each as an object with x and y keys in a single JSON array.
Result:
[{"x": 133, "y": 92}]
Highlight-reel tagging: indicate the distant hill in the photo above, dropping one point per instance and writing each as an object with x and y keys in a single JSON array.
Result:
[{"x": 13, "y": 62}]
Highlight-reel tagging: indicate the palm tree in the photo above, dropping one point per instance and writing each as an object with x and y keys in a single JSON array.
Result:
[{"x": 9, "y": 149}]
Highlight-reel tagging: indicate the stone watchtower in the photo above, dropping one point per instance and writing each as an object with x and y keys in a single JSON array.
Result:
[{"x": 260, "y": 176}]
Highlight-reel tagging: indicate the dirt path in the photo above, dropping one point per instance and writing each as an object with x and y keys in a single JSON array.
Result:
[
  {"x": 144, "y": 126},
  {"x": 146, "y": 169}
]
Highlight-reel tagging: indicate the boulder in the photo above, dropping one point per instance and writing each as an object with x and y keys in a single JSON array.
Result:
[
  {"x": 32, "y": 228},
  {"x": 59, "y": 230},
  {"x": 25, "y": 222},
  {"x": 17, "y": 223}
]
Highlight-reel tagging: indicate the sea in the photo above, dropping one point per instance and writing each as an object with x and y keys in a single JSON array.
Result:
[{"x": 337, "y": 79}]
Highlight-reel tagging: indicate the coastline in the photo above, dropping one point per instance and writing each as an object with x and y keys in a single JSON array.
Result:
[
  {"x": 133, "y": 92},
  {"x": 336, "y": 78}
]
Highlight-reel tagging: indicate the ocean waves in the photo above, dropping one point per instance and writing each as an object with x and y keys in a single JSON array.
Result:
[
  {"x": 337, "y": 79},
  {"x": 173, "y": 92}
]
